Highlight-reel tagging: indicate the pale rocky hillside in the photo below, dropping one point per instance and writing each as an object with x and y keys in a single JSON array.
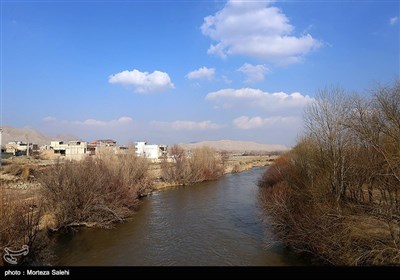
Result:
[
  {"x": 237, "y": 146},
  {"x": 30, "y": 135}
]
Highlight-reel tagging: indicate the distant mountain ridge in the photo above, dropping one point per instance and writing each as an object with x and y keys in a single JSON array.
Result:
[
  {"x": 30, "y": 135},
  {"x": 237, "y": 146}
]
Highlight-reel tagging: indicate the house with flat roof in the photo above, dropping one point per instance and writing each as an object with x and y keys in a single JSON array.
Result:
[
  {"x": 142, "y": 149},
  {"x": 72, "y": 150},
  {"x": 18, "y": 148}
]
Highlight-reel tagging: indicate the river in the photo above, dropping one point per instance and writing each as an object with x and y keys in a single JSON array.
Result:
[{"x": 210, "y": 223}]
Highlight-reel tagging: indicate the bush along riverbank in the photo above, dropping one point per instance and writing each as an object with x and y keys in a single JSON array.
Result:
[
  {"x": 198, "y": 165},
  {"x": 336, "y": 193}
]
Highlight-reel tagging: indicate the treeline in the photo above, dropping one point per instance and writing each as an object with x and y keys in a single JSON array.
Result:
[{"x": 336, "y": 193}]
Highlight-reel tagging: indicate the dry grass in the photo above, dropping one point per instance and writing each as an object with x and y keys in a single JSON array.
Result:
[{"x": 22, "y": 171}]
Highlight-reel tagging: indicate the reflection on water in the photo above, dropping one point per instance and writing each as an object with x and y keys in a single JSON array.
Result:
[{"x": 211, "y": 223}]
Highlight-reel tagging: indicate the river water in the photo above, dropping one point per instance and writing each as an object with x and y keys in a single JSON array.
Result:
[{"x": 210, "y": 223}]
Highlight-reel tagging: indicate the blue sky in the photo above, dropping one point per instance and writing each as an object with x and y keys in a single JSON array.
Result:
[{"x": 184, "y": 71}]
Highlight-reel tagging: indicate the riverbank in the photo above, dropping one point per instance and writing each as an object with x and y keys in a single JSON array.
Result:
[
  {"x": 235, "y": 163},
  {"x": 213, "y": 223},
  {"x": 21, "y": 180},
  {"x": 18, "y": 173},
  {"x": 18, "y": 176}
]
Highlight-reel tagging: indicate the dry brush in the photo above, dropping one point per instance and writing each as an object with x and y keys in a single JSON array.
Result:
[{"x": 336, "y": 193}]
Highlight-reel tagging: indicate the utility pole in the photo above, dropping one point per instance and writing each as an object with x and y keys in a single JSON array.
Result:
[
  {"x": 27, "y": 145},
  {"x": 27, "y": 150}
]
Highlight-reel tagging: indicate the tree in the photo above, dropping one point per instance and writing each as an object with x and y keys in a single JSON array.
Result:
[{"x": 324, "y": 122}]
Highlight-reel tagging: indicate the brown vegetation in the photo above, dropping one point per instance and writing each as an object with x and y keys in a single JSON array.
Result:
[
  {"x": 95, "y": 192},
  {"x": 92, "y": 192},
  {"x": 19, "y": 222},
  {"x": 336, "y": 193},
  {"x": 201, "y": 164},
  {"x": 23, "y": 171}
]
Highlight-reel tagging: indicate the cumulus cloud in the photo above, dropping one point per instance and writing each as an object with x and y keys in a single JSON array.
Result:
[
  {"x": 253, "y": 73},
  {"x": 91, "y": 122},
  {"x": 185, "y": 125},
  {"x": 393, "y": 20},
  {"x": 201, "y": 73},
  {"x": 245, "y": 122},
  {"x": 258, "y": 30},
  {"x": 143, "y": 81},
  {"x": 256, "y": 98}
]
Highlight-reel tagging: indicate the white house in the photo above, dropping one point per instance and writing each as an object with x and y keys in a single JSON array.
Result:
[
  {"x": 76, "y": 150},
  {"x": 58, "y": 147},
  {"x": 142, "y": 149},
  {"x": 73, "y": 150}
]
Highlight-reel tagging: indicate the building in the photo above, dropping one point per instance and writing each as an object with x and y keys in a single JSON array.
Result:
[
  {"x": 104, "y": 143},
  {"x": 59, "y": 147},
  {"x": 72, "y": 150},
  {"x": 18, "y": 148},
  {"x": 103, "y": 147},
  {"x": 142, "y": 149},
  {"x": 121, "y": 150},
  {"x": 91, "y": 149},
  {"x": 76, "y": 150}
]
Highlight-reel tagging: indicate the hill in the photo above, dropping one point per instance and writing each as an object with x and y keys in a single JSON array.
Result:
[
  {"x": 237, "y": 146},
  {"x": 28, "y": 134}
]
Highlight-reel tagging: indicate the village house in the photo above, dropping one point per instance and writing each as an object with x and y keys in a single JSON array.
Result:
[
  {"x": 154, "y": 152},
  {"x": 104, "y": 146},
  {"x": 18, "y": 148},
  {"x": 76, "y": 150},
  {"x": 72, "y": 150}
]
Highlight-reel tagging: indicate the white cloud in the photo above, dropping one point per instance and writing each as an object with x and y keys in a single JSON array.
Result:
[
  {"x": 94, "y": 122},
  {"x": 49, "y": 119},
  {"x": 226, "y": 80},
  {"x": 201, "y": 73},
  {"x": 91, "y": 122},
  {"x": 254, "y": 73},
  {"x": 256, "y": 98},
  {"x": 186, "y": 125},
  {"x": 143, "y": 81},
  {"x": 245, "y": 122},
  {"x": 258, "y": 30},
  {"x": 393, "y": 20}
]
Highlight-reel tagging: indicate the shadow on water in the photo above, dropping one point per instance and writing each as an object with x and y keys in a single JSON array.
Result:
[{"x": 210, "y": 223}]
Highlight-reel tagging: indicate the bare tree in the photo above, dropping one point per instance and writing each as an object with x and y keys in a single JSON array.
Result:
[
  {"x": 324, "y": 121},
  {"x": 351, "y": 148}
]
